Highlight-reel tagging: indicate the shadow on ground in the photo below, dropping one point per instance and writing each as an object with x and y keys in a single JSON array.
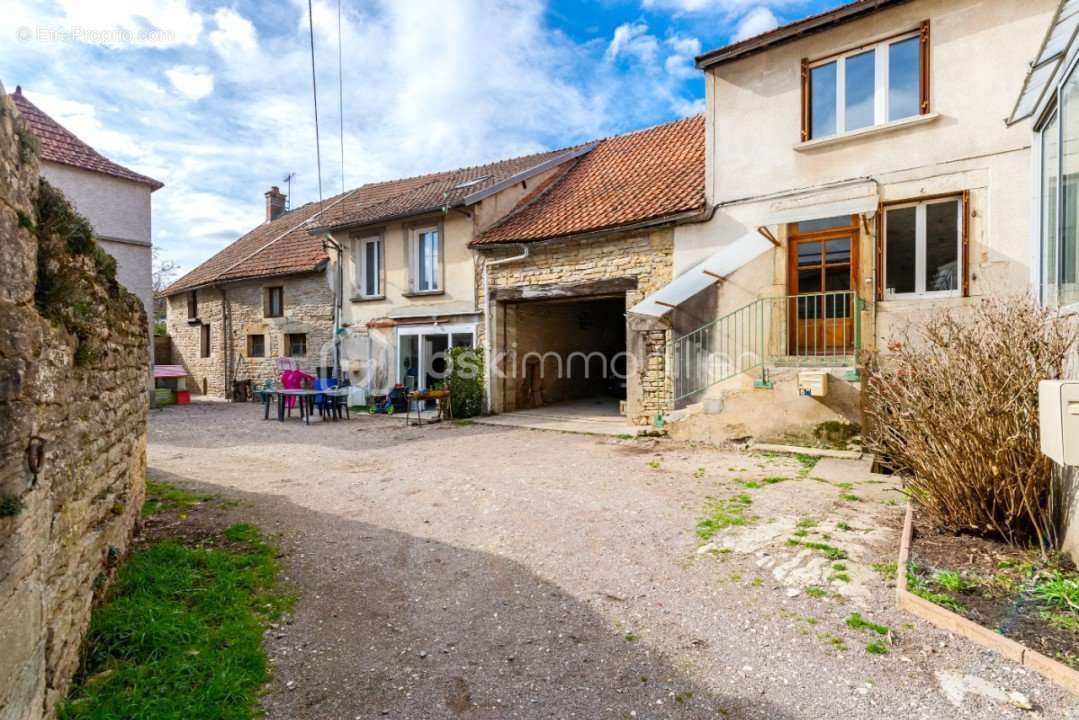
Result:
[{"x": 390, "y": 625}]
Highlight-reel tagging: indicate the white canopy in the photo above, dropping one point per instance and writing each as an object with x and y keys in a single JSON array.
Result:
[
  {"x": 821, "y": 210},
  {"x": 700, "y": 276}
]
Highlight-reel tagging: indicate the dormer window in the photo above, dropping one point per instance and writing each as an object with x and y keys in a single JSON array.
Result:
[{"x": 871, "y": 85}]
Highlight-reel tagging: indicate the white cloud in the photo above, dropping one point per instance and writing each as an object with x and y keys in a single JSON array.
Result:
[
  {"x": 194, "y": 83},
  {"x": 756, "y": 21},
  {"x": 680, "y": 63},
  {"x": 633, "y": 39},
  {"x": 160, "y": 23},
  {"x": 234, "y": 36}
]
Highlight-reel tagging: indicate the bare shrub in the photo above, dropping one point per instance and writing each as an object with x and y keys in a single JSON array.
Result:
[{"x": 953, "y": 407}]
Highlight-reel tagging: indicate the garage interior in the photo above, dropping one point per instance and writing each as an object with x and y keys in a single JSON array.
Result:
[{"x": 554, "y": 341}]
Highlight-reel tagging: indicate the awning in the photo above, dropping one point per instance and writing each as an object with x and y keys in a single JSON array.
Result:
[
  {"x": 818, "y": 211},
  {"x": 708, "y": 272}
]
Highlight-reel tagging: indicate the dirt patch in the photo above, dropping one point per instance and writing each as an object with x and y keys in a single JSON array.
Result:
[{"x": 996, "y": 586}]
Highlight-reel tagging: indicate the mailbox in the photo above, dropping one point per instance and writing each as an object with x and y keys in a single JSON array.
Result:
[
  {"x": 813, "y": 383},
  {"x": 1058, "y": 416}
]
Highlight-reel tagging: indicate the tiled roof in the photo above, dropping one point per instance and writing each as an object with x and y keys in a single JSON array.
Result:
[
  {"x": 379, "y": 202},
  {"x": 281, "y": 247},
  {"x": 627, "y": 179},
  {"x": 58, "y": 144}
]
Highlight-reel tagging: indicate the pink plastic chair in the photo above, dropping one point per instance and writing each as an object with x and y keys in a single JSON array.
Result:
[{"x": 294, "y": 380}]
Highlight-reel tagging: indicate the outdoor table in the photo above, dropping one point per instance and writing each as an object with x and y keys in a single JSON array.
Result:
[
  {"x": 305, "y": 401},
  {"x": 441, "y": 398}
]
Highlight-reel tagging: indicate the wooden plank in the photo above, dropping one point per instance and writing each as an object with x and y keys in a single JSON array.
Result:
[
  {"x": 593, "y": 288},
  {"x": 1058, "y": 672}
]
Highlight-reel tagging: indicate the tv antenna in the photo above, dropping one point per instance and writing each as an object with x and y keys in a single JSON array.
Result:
[{"x": 288, "y": 197}]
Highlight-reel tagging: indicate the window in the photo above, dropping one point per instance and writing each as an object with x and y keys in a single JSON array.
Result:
[
  {"x": 369, "y": 266},
  {"x": 297, "y": 344},
  {"x": 275, "y": 302},
  {"x": 425, "y": 260},
  {"x": 866, "y": 87},
  {"x": 192, "y": 305},
  {"x": 1058, "y": 187},
  {"x": 204, "y": 341},
  {"x": 923, "y": 248},
  {"x": 256, "y": 346}
]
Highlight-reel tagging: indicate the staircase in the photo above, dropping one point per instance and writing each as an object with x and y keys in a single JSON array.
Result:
[{"x": 807, "y": 330}]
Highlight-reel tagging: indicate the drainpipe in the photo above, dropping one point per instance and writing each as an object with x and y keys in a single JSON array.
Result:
[
  {"x": 338, "y": 303},
  {"x": 489, "y": 321}
]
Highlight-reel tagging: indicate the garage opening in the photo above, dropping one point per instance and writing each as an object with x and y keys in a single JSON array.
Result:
[{"x": 569, "y": 352}]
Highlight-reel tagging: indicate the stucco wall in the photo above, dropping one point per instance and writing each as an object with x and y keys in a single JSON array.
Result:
[
  {"x": 308, "y": 308},
  {"x": 119, "y": 210},
  {"x": 63, "y": 531}
]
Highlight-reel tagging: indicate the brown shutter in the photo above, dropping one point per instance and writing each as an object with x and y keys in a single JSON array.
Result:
[
  {"x": 967, "y": 214},
  {"x": 925, "y": 67},
  {"x": 805, "y": 99},
  {"x": 878, "y": 279}
]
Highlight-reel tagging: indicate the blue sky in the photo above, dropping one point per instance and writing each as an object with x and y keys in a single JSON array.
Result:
[{"x": 213, "y": 97}]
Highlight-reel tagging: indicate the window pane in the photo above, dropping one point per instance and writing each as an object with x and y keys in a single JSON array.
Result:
[
  {"x": 900, "y": 238},
  {"x": 809, "y": 253},
  {"x": 822, "y": 90},
  {"x": 808, "y": 226},
  {"x": 371, "y": 268},
  {"x": 462, "y": 340},
  {"x": 904, "y": 86},
  {"x": 837, "y": 251},
  {"x": 1069, "y": 257},
  {"x": 809, "y": 280},
  {"x": 860, "y": 79},
  {"x": 1050, "y": 168},
  {"x": 837, "y": 279},
  {"x": 942, "y": 246}
]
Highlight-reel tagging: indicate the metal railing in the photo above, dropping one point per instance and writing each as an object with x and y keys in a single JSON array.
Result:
[{"x": 813, "y": 329}]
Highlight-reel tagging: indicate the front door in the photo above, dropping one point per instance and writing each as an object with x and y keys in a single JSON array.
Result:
[{"x": 821, "y": 267}]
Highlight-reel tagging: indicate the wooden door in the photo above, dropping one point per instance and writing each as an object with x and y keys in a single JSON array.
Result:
[{"x": 821, "y": 273}]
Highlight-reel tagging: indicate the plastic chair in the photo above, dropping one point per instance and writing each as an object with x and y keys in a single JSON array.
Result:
[{"x": 324, "y": 402}]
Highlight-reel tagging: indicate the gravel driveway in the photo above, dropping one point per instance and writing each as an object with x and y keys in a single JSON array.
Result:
[{"x": 485, "y": 572}]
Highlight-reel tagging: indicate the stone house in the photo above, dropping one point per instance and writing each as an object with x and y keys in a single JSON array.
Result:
[
  {"x": 860, "y": 176},
  {"x": 265, "y": 296},
  {"x": 560, "y": 271},
  {"x": 113, "y": 198},
  {"x": 407, "y": 274}
]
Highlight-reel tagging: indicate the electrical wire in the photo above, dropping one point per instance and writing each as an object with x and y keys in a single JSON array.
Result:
[
  {"x": 341, "y": 95},
  {"x": 314, "y": 94}
]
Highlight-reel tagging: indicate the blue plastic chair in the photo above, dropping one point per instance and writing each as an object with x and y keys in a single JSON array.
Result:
[{"x": 324, "y": 402}]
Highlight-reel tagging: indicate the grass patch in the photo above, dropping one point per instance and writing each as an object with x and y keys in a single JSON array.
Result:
[
  {"x": 814, "y": 591},
  {"x": 876, "y": 648},
  {"x": 625, "y": 436},
  {"x": 887, "y": 571},
  {"x": 1062, "y": 620},
  {"x": 856, "y": 622},
  {"x": 829, "y": 551},
  {"x": 951, "y": 581},
  {"x": 166, "y": 497},
  {"x": 1059, "y": 589},
  {"x": 631, "y": 637},
  {"x": 654, "y": 464},
  {"x": 842, "y": 526},
  {"x": 464, "y": 423},
  {"x": 723, "y": 514},
  {"x": 699, "y": 472},
  {"x": 833, "y": 642},
  {"x": 180, "y": 632},
  {"x": 924, "y": 588},
  {"x": 774, "y": 479},
  {"x": 849, "y": 497}
]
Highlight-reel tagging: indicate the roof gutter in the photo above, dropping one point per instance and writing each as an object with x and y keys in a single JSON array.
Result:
[{"x": 791, "y": 32}]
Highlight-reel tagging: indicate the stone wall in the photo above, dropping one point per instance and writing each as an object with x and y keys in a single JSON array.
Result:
[
  {"x": 645, "y": 257},
  {"x": 73, "y": 367},
  {"x": 235, "y": 311}
]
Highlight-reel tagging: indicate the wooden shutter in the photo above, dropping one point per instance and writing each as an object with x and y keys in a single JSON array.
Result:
[
  {"x": 967, "y": 214},
  {"x": 805, "y": 99},
  {"x": 924, "y": 66}
]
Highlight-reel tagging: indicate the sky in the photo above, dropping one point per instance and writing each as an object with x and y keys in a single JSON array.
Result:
[{"x": 214, "y": 98}]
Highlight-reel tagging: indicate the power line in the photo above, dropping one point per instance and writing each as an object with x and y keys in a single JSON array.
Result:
[
  {"x": 314, "y": 93},
  {"x": 341, "y": 94}
]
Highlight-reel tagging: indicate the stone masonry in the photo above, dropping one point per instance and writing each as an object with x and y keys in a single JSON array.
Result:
[
  {"x": 236, "y": 310},
  {"x": 644, "y": 255},
  {"x": 73, "y": 366}
]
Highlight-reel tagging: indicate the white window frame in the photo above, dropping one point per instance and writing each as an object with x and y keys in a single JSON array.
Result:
[
  {"x": 880, "y": 84},
  {"x": 414, "y": 259},
  {"x": 424, "y": 330},
  {"x": 361, "y": 266},
  {"x": 919, "y": 249}
]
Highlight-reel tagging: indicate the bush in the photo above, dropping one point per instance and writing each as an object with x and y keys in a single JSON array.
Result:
[
  {"x": 953, "y": 408},
  {"x": 464, "y": 380}
]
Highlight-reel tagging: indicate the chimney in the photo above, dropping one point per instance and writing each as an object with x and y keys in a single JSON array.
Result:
[{"x": 275, "y": 203}]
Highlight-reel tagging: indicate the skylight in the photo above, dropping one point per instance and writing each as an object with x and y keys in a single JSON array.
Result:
[{"x": 471, "y": 182}]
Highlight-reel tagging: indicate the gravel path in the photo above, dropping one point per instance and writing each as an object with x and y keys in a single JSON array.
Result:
[{"x": 480, "y": 572}]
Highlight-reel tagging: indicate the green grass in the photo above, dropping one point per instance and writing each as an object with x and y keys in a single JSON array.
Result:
[
  {"x": 1062, "y": 620},
  {"x": 887, "y": 571},
  {"x": 849, "y": 497},
  {"x": 464, "y": 423},
  {"x": 699, "y": 472},
  {"x": 833, "y": 642},
  {"x": 842, "y": 526},
  {"x": 876, "y": 648},
  {"x": 829, "y": 551},
  {"x": 1060, "y": 590},
  {"x": 654, "y": 464},
  {"x": 951, "y": 581},
  {"x": 723, "y": 514},
  {"x": 856, "y": 622},
  {"x": 165, "y": 497},
  {"x": 925, "y": 589},
  {"x": 180, "y": 634},
  {"x": 814, "y": 591},
  {"x": 774, "y": 479},
  {"x": 631, "y": 637}
]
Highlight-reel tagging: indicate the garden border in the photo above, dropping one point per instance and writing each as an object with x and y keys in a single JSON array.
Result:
[{"x": 952, "y": 622}]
